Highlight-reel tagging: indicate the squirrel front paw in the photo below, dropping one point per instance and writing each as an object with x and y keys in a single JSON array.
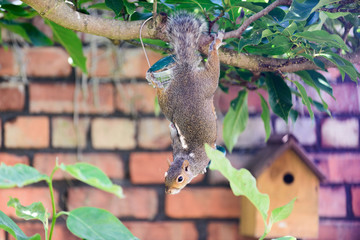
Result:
[{"x": 217, "y": 43}]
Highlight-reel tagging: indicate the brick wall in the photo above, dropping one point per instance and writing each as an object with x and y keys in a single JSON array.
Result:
[{"x": 113, "y": 126}]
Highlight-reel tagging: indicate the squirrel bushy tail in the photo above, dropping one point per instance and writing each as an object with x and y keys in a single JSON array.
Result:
[{"x": 184, "y": 30}]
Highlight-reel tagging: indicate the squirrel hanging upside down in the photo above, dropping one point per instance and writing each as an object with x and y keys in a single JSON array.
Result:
[{"x": 187, "y": 101}]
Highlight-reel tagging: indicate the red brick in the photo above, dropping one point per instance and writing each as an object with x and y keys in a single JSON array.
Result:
[
  {"x": 150, "y": 167},
  {"x": 12, "y": 97},
  {"x": 178, "y": 230},
  {"x": 138, "y": 202},
  {"x": 344, "y": 168},
  {"x": 59, "y": 98},
  {"x": 147, "y": 168},
  {"x": 222, "y": 100},
  {"x": 8, "y": 66},
  {"x": 332, "y": 202},
  {"x": 47, "y": 62},
  {"x": 224, "y": 230},
  {"x": 212, "y": 202},
  {"x": 111, "y": 164},
  {"x": 304, "y": 129},
  {"x": 355, "y": 194},
  {"x": 2, "y": 234},
  {"x": 27, "y": 132},
  {"x": 66, "y": 135},
  {"x": 336, "y": 229},
  {"x": 150, "y": 139},
  {"x": 113, "y": 133},
  {"x": 133, "y": 98},
  {"x": 0, "y": 132},
  {"x": 340, "y": 133},
  {"x": 133, "y": 63},
  {"x": 33, "y": 227},
  {"x": 347, "y": 98},
  {"x": 11, "y": 159},
  {"x": 27, "y": 196}
]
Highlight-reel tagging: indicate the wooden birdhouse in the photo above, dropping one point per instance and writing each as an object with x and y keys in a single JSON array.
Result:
[{"x": 284, "y": 171}]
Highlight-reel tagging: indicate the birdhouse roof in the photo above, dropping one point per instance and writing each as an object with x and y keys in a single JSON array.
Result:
[{"x": 276, "y": 146}]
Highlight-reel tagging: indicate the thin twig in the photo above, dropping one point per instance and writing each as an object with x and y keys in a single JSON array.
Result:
[
  {"x": 237, "y": 33},
  {"x": 154, "y": 9},
  {"x": 211, "y": 23}
]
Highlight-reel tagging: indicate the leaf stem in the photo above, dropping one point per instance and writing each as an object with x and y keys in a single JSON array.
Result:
[{"x": 54, "y": 215}]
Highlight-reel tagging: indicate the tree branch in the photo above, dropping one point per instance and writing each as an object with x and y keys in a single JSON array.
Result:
[
  {"x": 59, "y": 12},
  {"x": 335, "y": 10},
  {"x": 238, "y": 32}
]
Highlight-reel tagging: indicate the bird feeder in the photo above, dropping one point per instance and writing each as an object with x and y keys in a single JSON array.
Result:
[{"x": 284, "y": 171}]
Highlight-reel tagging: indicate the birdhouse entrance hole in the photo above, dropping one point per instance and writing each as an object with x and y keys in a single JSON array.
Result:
[{"x": 288, "y": 178}]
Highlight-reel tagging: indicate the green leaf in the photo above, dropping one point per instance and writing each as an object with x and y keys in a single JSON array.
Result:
[
  {"x": 241, "y": 181},
  {"x": 317, "y": 81},
  {"x": 71, "y": 43},
  {"x": 320, "y": 106},
  {"x": 323, "y": 37},
  {"x": 130, "y": 7},
  {"x": 235, "y": 120},
  {"x": 300, "y": 10},
  {"x": 101, "y": 6},
  {"x": 344, "y": 66},
  {"x": 37, "y": 37},
  {"x": 305, "y": 98},
  {"x": 336, "y": 14},
  {"x": 281, "y": 213},
  {"x": 19, "y": 175},
  {"x": 294, "y": 115},
  {"x": 285, "y": 238},
  {"x": 115, "y": 5},
  {"x": 265, "y": 116},
  {"x": 254, "y": 39},
  {"x": 191, "y": 5},
  {"x": 10, "y": 226},
  {"x": 15, "y": 9},
  {"x": 93, "y": 176},
  {"x": 317, "y": 62},
  {"x": 28, "y": 32},
  {"x": 277, "y": 46},
  {"x": 96, "y": 224},
  {"x": 16, "y": 28},
  {"x": 279, "y": 95},
  {"x": 34, "y": 211}
]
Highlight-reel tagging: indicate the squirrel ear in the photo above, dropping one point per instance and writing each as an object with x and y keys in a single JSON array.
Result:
[{"x": 185, "y": 165}]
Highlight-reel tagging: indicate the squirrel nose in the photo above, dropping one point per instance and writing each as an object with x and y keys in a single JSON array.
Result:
[{"x": 167, "y": 190}]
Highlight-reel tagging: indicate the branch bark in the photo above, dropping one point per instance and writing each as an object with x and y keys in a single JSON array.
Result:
[{"x": 59, "y": 12}]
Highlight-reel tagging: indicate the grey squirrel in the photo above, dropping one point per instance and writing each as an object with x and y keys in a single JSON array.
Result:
[{"x": 187, "y": 102}]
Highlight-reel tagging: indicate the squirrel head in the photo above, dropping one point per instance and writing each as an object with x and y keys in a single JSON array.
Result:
[{"x": 178, "y": 175}]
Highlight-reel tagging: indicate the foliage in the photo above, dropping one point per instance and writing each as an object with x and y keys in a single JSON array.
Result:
[
  {"x": 243, "y": 183},
  {"x": 317, "y": 31},
  {"x": 85, "y": 222}
]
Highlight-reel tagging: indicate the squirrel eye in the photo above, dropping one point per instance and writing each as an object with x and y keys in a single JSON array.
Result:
[{"x": 180, "y": 179}]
